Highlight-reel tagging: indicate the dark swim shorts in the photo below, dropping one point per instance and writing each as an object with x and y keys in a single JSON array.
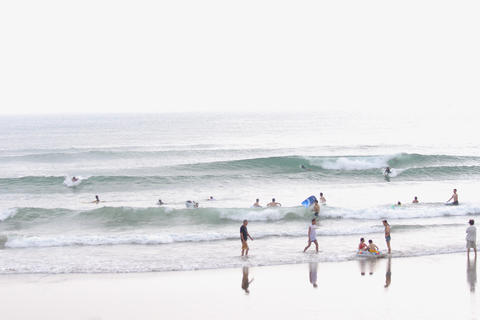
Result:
[{"x": 388, "y": 238}]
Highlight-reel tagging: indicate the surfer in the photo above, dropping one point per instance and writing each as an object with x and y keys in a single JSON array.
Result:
[
  {"x": 97, "y": 199},
  {"x": 454, "y": 197},
  {"x": 388, "y": 171},
  {"x": 74, "y": 179},
  {"x": 322, "y": 198},
  {"x": 312, "y": 235},
  {"x": 316, "y": 208},
  {"x": 305, "y": 168},
  {"x": 274, "y": 203},
  {"x": 257, "y": 204},
  {"x": 191, "y": 204},
  {"x": 387, "y": 234},
  {"x": 415, "y": 200},
  {"x": 160, "y": 202},
  {"x": 244, "y": 235}
]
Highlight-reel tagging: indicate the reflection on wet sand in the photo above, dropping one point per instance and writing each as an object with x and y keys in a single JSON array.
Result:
[
  {"x": 363, "y": 262},
  {"x": 245, "y": 281},
  {"x": 313, "y": 268},
  {"x": 388, "y": 273},
  {"x": 472, "y": 273}
]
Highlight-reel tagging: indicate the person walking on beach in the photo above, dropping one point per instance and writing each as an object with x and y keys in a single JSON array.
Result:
[
  {"x": 316, "y": 208},
  {"x": 244, "y": 235},
  {"x": 454, "y": 197},
  {"x": 471, "y": 237},
  {"x": 312, "y": 235},
  {"x": 387, "y": 235},
  {"x": 274, "y": 203}
]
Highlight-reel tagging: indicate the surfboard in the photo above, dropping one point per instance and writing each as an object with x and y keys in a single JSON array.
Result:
[{"x": 309, "y": 201}]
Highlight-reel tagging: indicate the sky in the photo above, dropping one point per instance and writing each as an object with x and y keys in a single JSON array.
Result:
[{"x": 174, "y": 56}]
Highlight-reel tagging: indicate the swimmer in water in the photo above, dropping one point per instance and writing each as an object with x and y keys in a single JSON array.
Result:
[
  {"x": 415, "y": 200},
  {"x": 97, "y": 199},
  {"x": 160, "y": 202},
  {"x": 387, "y": 171},
  {"x": 399, "y": 204},
  {"x": 210, "y": 199},
  {"x": 454, "y": 197},
  {"x": 322, "y": 198},
  {"x": 74, "y": 179},
  {"x": 257, "y": 204},
  {"x": 274, "y": 204}
]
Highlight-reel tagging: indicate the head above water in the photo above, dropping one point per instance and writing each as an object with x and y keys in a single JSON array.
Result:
[
  {"x": 257, "y": 200},
  {"x": 471, "y": 222},
  {"x": 273, "y": 199},
  {"x": 416, "y": 198}
]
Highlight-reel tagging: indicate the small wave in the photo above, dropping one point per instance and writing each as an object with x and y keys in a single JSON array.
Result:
[
  {"x": 7, "y": 213},
  {"x": 70, "y": 183}
]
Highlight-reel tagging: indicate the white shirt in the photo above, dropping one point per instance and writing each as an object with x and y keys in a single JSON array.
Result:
[
  {"x": 313, "y": 232},
  {"x": 471, "y": 234}
]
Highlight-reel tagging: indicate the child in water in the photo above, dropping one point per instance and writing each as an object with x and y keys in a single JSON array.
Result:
[
  {"x": 362, "y": 246},
  {"x": 372, "y": 247}
]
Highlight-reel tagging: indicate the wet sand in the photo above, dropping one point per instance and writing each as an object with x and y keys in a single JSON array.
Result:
[{"x": 441, "y": 287}]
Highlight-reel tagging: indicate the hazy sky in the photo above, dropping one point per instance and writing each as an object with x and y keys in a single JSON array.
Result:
[{"x": 180, "y": 55}]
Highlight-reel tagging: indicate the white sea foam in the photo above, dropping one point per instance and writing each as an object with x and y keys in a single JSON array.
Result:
[
  {"x": 353, "y": 163},
  {"x": 70, "y": 183},
  {"x": 7, "y": 213}
]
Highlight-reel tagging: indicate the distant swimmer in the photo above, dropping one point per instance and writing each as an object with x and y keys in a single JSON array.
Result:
[
  {"x": 415, "y": 200},
  {"x": 387, "y": 171},
  {"x": 257, "y": 204},
  {"x": 74, "y": 179},
  {"x": 97, "y": 200},
  {"x": 399, "y": 204},
  {"x": 454, "y": 197},
  {"x": 316, "y": 208},
  {"x": 210, "y": 198},
  {"x": 191, "y": 204},
  {"x": 274, "y": 204},
  {"x": 305, "y": 168},
  {"x": 322, "y": 198},
  {"x": 312, "y": 235},
  {"x": 160, "y": 202}
]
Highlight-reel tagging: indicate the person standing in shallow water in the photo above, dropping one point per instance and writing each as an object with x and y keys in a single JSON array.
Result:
[
  {"x": 454, "y": 197},
  {"x": 387, "y": 235},
  {"x": 244, "y": 235},
  {"x": 471, "y": 237},
  {"x": 312, "y": 235}
]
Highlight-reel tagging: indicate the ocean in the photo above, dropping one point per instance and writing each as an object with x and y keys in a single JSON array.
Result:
[{"x": 49, "y": 224}]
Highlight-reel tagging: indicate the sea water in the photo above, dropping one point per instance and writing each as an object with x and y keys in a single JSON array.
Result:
[{"x": 50, "y": 224}]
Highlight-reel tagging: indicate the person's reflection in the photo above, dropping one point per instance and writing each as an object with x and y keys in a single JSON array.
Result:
[
  {"x": 245, "y": 282},
  {"x": 472, "y": 273},
  {"x": 388, "y": 274},
  {"x": 372, "y": 263},
  {"x": 313, "y": 268},
  {"x": 362, "y": 263}
]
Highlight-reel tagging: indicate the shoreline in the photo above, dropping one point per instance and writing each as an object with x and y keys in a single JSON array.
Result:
[{"x": 441, "y": 286}]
